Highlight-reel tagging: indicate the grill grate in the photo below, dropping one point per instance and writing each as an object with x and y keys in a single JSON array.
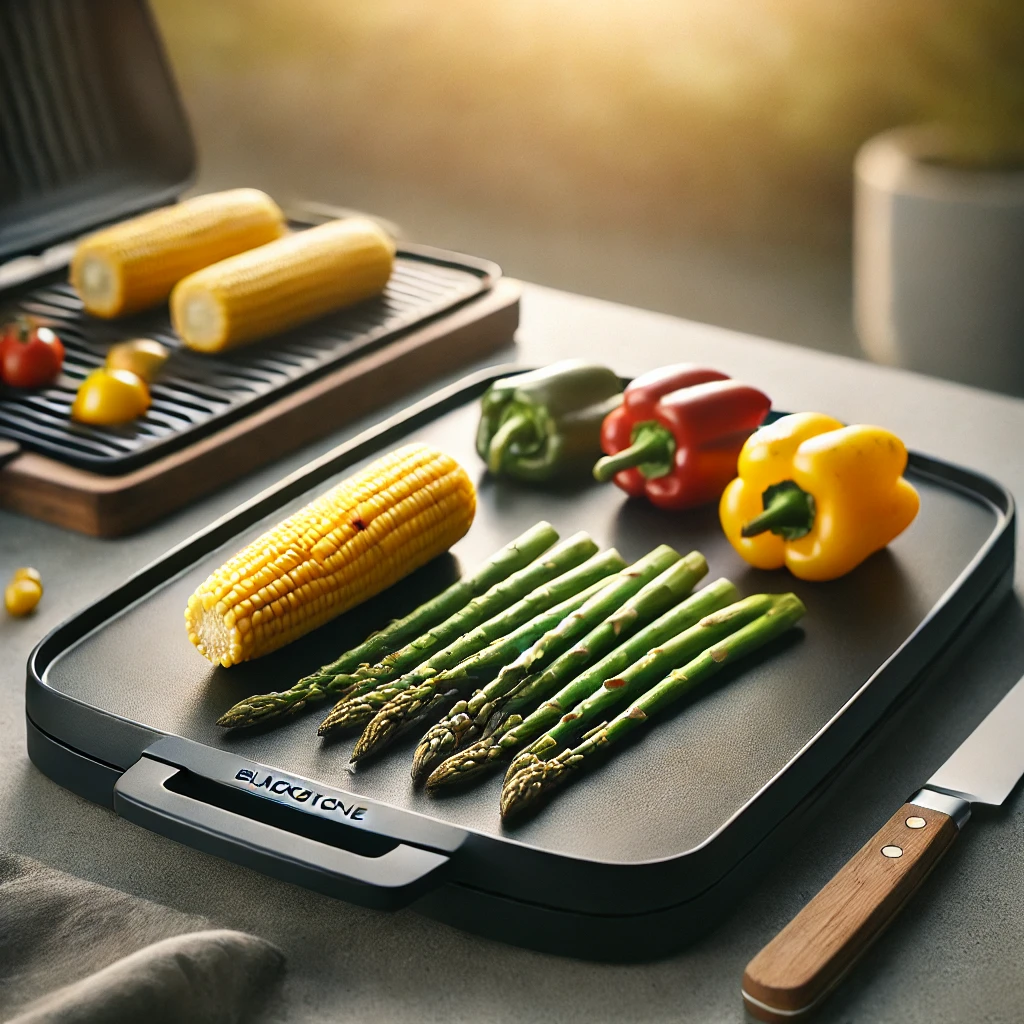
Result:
[{"x": 198, "y": 394}]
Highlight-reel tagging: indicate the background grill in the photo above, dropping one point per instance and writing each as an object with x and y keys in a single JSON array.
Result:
[
  {"x": 197, "y": 394},
  {"x": 91, "y": 127}
]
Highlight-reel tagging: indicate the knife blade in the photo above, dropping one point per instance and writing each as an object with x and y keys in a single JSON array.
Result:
[{"x": 794, "y": 973}]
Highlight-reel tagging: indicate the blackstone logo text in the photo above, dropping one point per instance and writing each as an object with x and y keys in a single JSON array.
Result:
[{"x": 282, "y": 787}]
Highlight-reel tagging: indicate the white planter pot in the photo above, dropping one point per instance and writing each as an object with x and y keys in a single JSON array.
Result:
[{"x": 939, "y": 263}]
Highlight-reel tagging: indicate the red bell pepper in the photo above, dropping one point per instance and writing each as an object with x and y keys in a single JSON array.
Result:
[{"x": 678, "y": 433}]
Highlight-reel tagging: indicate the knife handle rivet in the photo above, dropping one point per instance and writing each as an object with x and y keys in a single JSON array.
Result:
[
  {"x": 916, "y": 822},
  {"x": 892, "y": 851}
]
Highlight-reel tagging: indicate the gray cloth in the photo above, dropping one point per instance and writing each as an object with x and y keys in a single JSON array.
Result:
[{"x": 73, "y": 952}]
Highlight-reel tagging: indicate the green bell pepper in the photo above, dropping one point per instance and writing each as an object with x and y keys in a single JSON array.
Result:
[{"x": 546, "y": 423}]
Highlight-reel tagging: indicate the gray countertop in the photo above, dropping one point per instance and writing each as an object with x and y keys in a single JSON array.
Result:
[{"x": 954, "y": 955}]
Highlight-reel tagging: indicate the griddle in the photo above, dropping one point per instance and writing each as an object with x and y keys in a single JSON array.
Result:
[{"x": 629, "y": 862}]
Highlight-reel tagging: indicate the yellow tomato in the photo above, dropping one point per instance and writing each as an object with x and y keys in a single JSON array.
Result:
[
  {"x": 28, "y": 573},
  {"x": 107, "y": 397},
  {"x": 21, "y": 596},
  {"x": 142, "y": 356}
]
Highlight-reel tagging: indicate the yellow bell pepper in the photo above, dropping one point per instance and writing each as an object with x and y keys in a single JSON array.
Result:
[{"x": 816, "y": 496}]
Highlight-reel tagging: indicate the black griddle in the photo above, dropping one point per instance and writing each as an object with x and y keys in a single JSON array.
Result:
[{"x": 630, "y": 861}]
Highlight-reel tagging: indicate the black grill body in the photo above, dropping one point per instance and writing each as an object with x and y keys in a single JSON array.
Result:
[{"x": 92, "y": 128}]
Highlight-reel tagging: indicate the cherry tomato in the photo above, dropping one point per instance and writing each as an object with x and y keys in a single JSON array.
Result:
[
  {"x": 22, "y": 594},
  {"x": 107, "y": 397},
  {"x": 141, "y": 356},
  {"x": 28, "y": 573},
  {"x": 30, "y": 355}
]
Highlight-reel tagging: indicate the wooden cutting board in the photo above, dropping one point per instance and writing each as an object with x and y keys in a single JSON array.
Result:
[{"x": 111, "y": 506}]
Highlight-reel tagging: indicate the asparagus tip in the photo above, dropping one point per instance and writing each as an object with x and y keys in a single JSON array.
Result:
[
  {"x": 245, "y": 713},
  {"x": 464, "y": 765},
  {"x": 375, "y": 737},
  {"x": 524, "y": 790},
  {"x": 345, "y": 716},
  {"x": 424, "y": 760},
  {"x": 330, "y": 724},
  {"x": 441, "y": 742}
]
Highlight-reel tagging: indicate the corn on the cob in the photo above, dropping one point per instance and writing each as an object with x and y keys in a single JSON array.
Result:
[
  {"x": 282, "y": 284},
  {"x": 359, "y": 538},
  {"x": 135, "y": 264}
]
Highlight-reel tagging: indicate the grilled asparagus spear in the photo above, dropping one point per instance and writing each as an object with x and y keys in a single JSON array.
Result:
[
  {"x": 358, "y": 710},
  {"x": 320, "y": 684},
  {"x": 501, "y": 741},
  {"x": 639, "y": 677},
  {"x": 412, "y": 705},
  {"x": 407, "y": 707},
  {"x": 563, "y": 556},
  {"x": 609, "y": 624},
  {"x": 536, "y": 778}
]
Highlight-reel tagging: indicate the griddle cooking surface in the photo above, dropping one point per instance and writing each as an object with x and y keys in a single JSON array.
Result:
[
  {"x": 660, "y": 796},
  {"x": 197, "y": 394}
]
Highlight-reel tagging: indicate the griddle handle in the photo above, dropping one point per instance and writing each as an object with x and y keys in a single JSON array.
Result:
[{"x": 387, "y": 882}]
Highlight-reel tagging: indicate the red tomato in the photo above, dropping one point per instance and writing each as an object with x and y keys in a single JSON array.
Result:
[{"x": 30, "y": 355}]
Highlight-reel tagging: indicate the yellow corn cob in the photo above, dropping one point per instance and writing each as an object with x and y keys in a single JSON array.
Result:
[
  {"x": 282, "y": 284},
  {"x": 134, "y": 265},
  {"x": 351, "y": 543}
]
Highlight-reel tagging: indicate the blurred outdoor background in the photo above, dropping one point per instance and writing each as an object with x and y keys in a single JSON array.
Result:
[{"x": 690, "y": 156}]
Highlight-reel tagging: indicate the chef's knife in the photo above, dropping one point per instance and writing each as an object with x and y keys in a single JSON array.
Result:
[{"x": 808, "y": 958}]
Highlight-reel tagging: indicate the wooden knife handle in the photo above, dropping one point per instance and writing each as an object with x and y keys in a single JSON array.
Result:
[{"x": 798, "y": 968}]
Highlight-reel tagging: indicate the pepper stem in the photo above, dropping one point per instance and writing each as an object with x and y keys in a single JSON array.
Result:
[
  {"x": 652, "y": 450},
  {"x": 515, "y": 428},
  {"x": 789, "y": 512}
]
